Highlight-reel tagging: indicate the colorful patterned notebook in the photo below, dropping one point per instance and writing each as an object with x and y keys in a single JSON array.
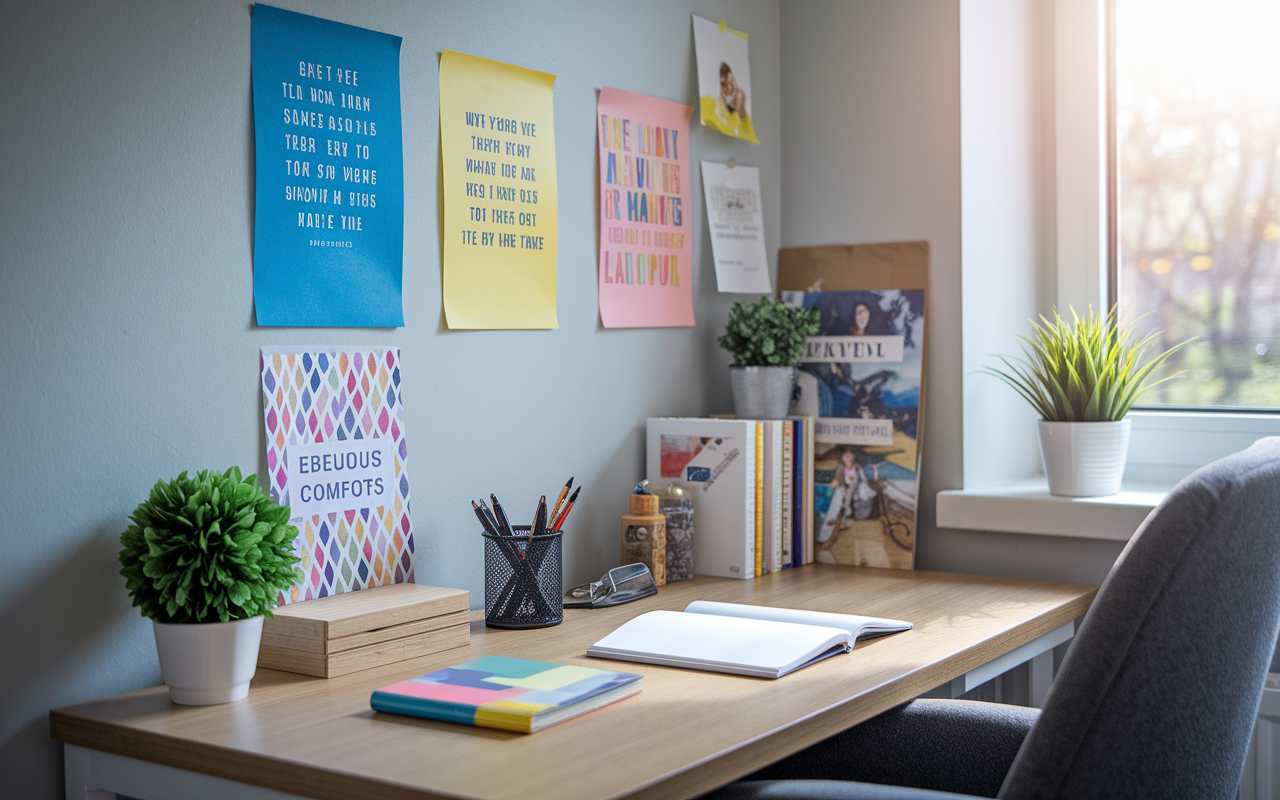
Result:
[{"x": 508, "y": 693}]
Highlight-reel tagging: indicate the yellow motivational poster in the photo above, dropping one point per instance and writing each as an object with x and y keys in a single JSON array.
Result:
[{"x": 498, "y": 147}]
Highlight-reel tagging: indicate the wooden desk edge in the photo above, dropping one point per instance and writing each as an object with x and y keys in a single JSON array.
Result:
[
  {"x": 221, "y": 762},
  {"x": 691, "y": 781}
]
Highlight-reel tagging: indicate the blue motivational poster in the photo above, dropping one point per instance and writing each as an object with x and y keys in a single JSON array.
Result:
[{"x": 328, "y": 238}]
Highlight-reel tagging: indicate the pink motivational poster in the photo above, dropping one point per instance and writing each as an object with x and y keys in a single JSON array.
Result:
[{"x": 646, "y": 217}]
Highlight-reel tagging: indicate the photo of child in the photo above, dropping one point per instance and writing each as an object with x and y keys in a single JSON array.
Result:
[
  {"x": 731, "y": 94},
  {"x": 724, "y": 79}
]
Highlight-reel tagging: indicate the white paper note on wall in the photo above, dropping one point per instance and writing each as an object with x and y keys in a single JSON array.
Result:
[{"x": 737, "y": 227}]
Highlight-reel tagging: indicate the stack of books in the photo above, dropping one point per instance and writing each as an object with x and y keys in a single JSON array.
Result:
[{"x": 752, "y": 483}]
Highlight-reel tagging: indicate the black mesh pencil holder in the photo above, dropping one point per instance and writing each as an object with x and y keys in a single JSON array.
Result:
[{"x": 522, "y": 580}]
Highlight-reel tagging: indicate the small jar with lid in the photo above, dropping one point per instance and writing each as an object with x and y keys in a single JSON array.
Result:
[{"x": 644, "y": 533}]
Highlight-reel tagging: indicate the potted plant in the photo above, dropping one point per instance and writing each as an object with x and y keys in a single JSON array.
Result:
[
  {"x": 1083, "y": 377},
  {"x": 205, "y": 559},
  {"x": 766, "y": 339}
]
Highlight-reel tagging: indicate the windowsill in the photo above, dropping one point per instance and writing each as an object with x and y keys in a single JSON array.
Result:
[{"x": 1025, "y": 506}]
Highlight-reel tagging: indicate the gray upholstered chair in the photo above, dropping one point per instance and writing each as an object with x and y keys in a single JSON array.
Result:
[{"x": 1156, "y": 697}]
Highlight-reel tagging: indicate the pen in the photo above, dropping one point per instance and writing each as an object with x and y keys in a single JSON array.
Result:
[
  {"x": 567, "y": 509},
  {"x": 560, "y": 500},
  {"x": 504, "y": 527},
  {"x": 539, "y": 525},
  {"x": 484, "y": 520},
  {"x": 493, "y": 522}
]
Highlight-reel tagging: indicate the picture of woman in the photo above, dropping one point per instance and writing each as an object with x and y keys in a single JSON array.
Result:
[{"x": 861, "y": 319}]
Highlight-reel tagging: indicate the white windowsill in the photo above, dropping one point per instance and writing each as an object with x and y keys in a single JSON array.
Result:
[{"x": 1025, "y": 506}]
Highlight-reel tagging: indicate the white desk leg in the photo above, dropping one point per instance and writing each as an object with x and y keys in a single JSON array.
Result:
[
  {"x": 76, "y": 771},
  {"x": 1041, "y": 676},
  {"x": 1038, "y": 651}
]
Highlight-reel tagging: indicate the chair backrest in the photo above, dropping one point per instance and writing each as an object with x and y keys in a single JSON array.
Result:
[{"x": 1158, "y": 693}]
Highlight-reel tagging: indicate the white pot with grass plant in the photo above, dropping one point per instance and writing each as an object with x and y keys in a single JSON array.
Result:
[
  {"x": 766, "y": 340},
  {"x": 1083, "y": 377},
  {"x": 205, "y": 559}
]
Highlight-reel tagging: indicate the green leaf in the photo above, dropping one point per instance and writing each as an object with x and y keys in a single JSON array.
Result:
[
  {"x": 205, "y": 548},
  {"x": 1085, "y": 370}
]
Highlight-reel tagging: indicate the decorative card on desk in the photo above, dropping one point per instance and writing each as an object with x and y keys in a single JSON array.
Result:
[
  {"x": 862, "y": 378},
  {"x": 337, "y": 456},
  {"x": 512, "y": 694}
]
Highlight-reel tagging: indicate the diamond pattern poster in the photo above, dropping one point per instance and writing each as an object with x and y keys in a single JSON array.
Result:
[{"x": 337, "y": 455}]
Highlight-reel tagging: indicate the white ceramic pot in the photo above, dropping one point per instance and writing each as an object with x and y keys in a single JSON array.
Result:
[
  {"x": 762, "y": 392},
  {"x": 209, "y": 662},
  {"x": 1084, "y": 459}
]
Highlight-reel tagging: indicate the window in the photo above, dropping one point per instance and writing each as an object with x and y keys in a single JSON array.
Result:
[{"x": 1197, "y": 214}]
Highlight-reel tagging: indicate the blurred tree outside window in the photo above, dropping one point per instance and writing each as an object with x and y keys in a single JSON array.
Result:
[{"x": 1197, "y": 147}]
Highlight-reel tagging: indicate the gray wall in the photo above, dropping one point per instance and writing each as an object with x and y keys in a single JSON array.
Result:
[{"x": 129, "y": 349}]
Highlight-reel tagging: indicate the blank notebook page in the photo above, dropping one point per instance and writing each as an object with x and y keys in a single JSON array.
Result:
[
  {"x": 721, "y": 640},
  {"x": 854, "y": 624}
]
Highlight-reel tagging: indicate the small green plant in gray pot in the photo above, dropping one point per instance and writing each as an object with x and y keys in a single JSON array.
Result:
[
  {"x": 1083, "y": 377},
  {"x": 205, "y": 559},
  {"x": 766, "y": 340}
]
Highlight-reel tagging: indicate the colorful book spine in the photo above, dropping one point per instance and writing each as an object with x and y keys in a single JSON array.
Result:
[
  {"x": 775, "y": 514},
  {"x": 810, "y": 448},
  {"x": 766, "y": 537},
  {"x": 788, "y": 492},
  {"x": 797, "y": 496},
  {"x": 759, "y": 497}
]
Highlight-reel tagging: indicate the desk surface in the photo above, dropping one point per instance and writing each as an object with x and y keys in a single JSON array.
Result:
[{"x": 685, "y": 734}]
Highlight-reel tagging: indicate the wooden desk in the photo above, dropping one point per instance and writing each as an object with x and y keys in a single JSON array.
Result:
[{"x": 685, "y": 734}]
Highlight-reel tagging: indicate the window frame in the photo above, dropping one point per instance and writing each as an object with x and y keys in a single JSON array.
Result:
[{"x": 1167, "y": 443}]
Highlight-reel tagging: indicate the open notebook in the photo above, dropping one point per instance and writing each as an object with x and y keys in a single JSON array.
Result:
[{"x": 758, "y": 641}]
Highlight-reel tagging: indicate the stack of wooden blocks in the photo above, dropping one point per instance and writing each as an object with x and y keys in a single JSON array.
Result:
[{"x": 349, "y": 632}]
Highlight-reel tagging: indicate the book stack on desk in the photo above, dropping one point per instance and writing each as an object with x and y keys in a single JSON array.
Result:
[
  {"x": 349, "y": 632},
  {"x": 752, "y": 484}
]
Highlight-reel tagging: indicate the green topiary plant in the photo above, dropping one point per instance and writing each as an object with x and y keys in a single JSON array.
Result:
[
  {"x": 1085, "y": 371},
  {"x": 768, "y": 333},
  {"x": 213, "y": 548}
]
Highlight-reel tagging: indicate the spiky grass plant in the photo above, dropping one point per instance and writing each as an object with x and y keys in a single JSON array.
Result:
[
  {"x": 212, "y": 548},
  {"x": 768, "y": 333},
  {"x": 1088, "y": 370}
]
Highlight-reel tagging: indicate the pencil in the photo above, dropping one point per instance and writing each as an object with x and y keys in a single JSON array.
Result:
[
  {"x": 560, "y": 500},
  {"x": 567, "y": 509}
]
